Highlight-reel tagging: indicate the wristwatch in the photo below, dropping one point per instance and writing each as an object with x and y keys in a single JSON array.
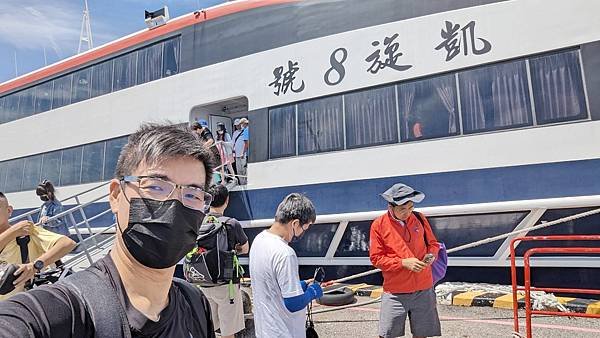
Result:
[{"x": 38, "y": 265}]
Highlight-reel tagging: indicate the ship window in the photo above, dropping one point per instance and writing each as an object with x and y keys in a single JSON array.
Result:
[
  {"x": 282, "y": 129},
  {"x": 355, "y": 241},
  {"x": 149, "y": 63},
  {"x": 26, "y": 102},
  {"x": 71, "y": 166},
  {"x": 11, "y": 107},
  {"x": 113, "y": 150},
  {"x": 171, "y": 57},
  {"x": 558, "y": 87},
  {"x": 428, "y": 108},
  {"x": 320, "y": 125},
  {"x": 371, "y": 117},
  {"x": 462, "y": 229},
  {"x": 580, "y": 226},
  {"x": 124, "y": 74},
  {"x": 2, "y": 175},
  {"x": 495, "y": 97},
  {"x": 43, "y": 97},
  {"x": 14, "y": 175},
  {"x": 316, "y": 241},
  {"x": 91, "y": 170},
  {"x": 61, "y": 95},
  {"x": 3, "y": 116},
  {"x": 51, "y": 166},
  {"x": 81, "y": 85},
  {"x": 102, "y": 75},
  {"x": 31, "y": 173}
]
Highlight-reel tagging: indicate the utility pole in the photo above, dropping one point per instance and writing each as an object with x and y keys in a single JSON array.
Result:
[{"x": 86, "y": 30}]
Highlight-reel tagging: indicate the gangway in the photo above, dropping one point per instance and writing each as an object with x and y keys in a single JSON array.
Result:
[{"x": 93, "y": 242}]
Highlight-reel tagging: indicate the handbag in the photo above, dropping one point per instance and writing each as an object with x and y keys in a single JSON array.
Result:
[{"x": 440, "y": 265}]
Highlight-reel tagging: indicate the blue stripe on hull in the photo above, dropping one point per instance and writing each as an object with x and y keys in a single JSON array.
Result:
[{"x": 550, "y": 180}]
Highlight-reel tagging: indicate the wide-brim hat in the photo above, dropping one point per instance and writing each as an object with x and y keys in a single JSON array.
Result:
[{"x": 400, "y": 193}]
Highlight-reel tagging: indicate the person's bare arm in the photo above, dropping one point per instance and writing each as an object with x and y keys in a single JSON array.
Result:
[
  {"x": 242, "y": 249},
  {"x": 20, "y": 229},
  {"x": 62, "y": 247}
]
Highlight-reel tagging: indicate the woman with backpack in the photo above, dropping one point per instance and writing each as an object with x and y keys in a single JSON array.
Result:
[{"x": 50, "y": 208}]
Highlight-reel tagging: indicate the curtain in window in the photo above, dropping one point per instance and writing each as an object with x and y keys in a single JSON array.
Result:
[
  {"x": 282, "y": 128},
  {"x": 149, "y": 63},
  {"x": 171, "y": 57},
  {"x": 558, "y": 87},
  {"x": 320, "y": 125},
  {"x": 371, "y": 117},
  {"x": 102, "y": 78},
  {"x": 495, "y": 97},
  {"x": 124, "y": 74},
  {"x": 428, "y": 108}
]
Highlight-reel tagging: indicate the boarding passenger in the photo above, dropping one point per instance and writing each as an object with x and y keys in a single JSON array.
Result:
[
  {"x": 201, "y": 127},
  {"x": 50, "y": 208},
  {"x": 280, "y": 298},
  {"x": 237, "y": 130},
  {"x": 225, "y": 146},
  {"x": 30, "y": 247},
  {"x": 226, "y": 300},
  {"x": 403, "y": 246},
  {"x": 240, "y": 148},
  {"x": 159, "y": 199}
]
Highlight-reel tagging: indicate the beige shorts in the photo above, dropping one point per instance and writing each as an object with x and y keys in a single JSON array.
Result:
[{"x": 228, "y": 317}]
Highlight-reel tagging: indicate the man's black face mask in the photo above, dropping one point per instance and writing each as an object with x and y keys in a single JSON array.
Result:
[{"x": 160, "y": 234}]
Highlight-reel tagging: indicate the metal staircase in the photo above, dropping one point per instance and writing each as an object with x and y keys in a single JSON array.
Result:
[{"x": 94, "y": 234}]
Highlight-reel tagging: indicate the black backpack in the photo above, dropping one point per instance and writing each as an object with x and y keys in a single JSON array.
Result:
[{"x": 213, "y": 261}]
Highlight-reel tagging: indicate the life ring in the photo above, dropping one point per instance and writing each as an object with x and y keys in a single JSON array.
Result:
[{"x": 344, "y": 296}]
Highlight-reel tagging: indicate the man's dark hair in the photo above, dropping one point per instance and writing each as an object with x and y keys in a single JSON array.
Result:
[
  {"x": 2, "y": 195},
  {"x": 295, "y": 206},
  {"x": 153, "y": 143},
  {"x": 196, "y": 126},
  {"x": 219, "y": 193}
]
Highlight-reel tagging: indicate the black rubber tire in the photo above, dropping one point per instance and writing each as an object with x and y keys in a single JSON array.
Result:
[{"x": 344, "y": 296}]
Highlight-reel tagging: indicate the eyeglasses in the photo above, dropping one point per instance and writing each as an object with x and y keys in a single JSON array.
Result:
[{"x": 159, "y": 189}]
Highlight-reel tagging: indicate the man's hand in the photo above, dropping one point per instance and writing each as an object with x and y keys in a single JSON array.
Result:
[
  {"x": 413, "y": 264},
  {"x": 21, "y": 229},
  {"x": 44, "y": 219},
  {"x": 26, "y": 271}
]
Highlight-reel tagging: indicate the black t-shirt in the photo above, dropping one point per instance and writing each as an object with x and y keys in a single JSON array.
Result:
[
  {"x": 55, "y": 311},
  {"x": 206, "y": 134},
  {"x": 238, "y": 232}
]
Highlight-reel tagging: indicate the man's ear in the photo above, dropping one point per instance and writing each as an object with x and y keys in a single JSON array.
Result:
[
  {"x": 113, "y": 195},
  {"x": 10, "y": 210}
]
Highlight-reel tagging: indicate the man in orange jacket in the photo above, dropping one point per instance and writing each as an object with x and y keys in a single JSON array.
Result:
[{"x": 403, "y": 246}]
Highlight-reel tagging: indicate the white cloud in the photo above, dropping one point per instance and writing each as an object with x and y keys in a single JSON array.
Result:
[{"x": 33, "y": 25}]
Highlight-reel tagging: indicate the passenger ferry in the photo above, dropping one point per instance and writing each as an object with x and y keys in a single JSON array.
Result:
[{"x": 490, "y": 107}]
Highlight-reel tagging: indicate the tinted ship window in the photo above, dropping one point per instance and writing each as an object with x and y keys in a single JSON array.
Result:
[
  {"x": 171, "y": 57},
  {"x": 91, "y": 167},
  {"x": 71, "y": 166},
  {"x": 371, "y": 117},
  {"x": 495, "y": 97},
  {"x": 320, "y": 125},
  {"x": 282, "y": 131},
  {"x": 102, "y": 78},
  {"x": 124, "y": 71},
  {"x": 81, "y": 85},
  {"x": 316, "y": 241},
  {"x": 14, "y": 175},
  {"x": 428, "y": 108},
  {"x": 51, "y": 167},
  {"x": 149, "y": 63},
  {"x": 355, "y": 242},
  {"x": 558, "y": 87},
  {"x": 31, "y": 172},
  {"x": 61, "y": 95}
]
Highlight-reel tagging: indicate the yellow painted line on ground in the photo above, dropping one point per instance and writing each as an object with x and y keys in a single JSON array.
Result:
[
  {"x": 593, "y": 308},
  {"x": 377, "y": 293},
  {"x": 506, "y": 301},
  {"x": 564, "y": 300},
  {"x": 358, "y": 286},
  {"x": 466, "y": 298}
]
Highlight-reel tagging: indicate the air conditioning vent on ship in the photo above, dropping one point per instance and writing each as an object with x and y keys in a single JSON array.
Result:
[{"x": 156, "y": 18}]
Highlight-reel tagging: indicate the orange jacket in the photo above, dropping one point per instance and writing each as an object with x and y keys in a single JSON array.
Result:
[{"x": 391, "y": 242}]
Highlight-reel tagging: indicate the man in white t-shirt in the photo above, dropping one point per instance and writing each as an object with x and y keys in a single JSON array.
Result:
[{"x": 279, "y": 296}]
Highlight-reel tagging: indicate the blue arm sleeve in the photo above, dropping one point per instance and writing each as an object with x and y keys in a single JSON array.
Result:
[
  {"x": 295, "y": 304},
  {"x": 303, "y": 285}
]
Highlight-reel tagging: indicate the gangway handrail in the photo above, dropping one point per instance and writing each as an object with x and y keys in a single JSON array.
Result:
[
  {"x": 38, "y": 209},
  {"x": 527, "y": 276}
]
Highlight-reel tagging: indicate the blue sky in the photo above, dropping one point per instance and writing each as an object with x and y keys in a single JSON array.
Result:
[{"x": 27, "y": 27}]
